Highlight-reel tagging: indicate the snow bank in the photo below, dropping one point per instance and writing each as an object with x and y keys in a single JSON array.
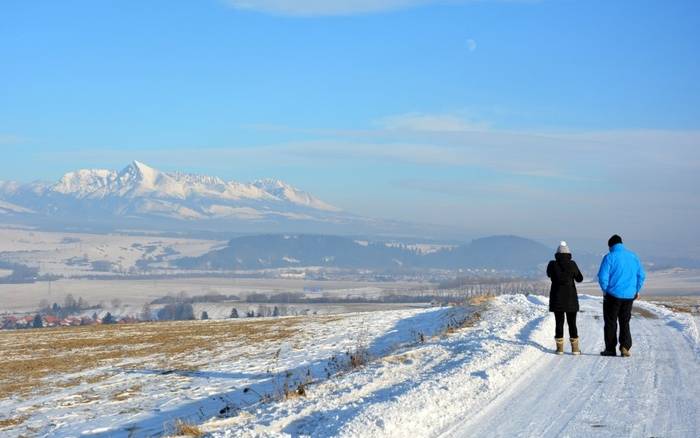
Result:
[{"x": 685, "y": 323}]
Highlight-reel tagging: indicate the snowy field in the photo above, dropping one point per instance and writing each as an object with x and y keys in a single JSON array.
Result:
[
  {"x": 75, "y": 254},
  {"x": 111, "y": 380},
  {"x": 26, "y": 297},
  {"x": 487, "y": 370}
]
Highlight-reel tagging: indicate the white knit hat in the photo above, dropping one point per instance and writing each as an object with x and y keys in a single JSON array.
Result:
[{"x": 563, "y": 248}]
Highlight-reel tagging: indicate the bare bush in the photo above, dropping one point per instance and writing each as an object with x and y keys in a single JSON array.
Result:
[{"x": 183, "y": 428}]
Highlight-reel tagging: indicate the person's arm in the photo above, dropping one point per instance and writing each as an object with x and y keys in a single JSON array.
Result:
[
  {"x": 578, "y": 276},
  {"x": 641, "y": 276},
  {"x": 604, "y": 275},
  {"x": 549, "y": 269}
]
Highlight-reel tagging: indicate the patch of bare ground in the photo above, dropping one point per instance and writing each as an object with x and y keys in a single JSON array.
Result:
[
  {"x": 11, "y": 422},
  {"x": 682, "y": 304},
  {"x": 643, "y": 313},
  {"x": 481, "y": 300},
  {"x": 126, "y": 395},
  {"x": 183, "y": 428},
  {"x": 472, "y": 318},
  {"x": 30, "y": 357},
  {"x": 331, "y": 318}
]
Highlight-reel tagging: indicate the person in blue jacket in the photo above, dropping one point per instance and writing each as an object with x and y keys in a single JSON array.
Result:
[{"x": 620, "y": 277}]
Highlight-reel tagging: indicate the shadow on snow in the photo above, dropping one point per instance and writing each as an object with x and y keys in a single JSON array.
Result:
[{"x": 245, "y": 393}]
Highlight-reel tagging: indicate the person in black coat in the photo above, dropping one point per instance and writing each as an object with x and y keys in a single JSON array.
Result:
[{"x": 563, "y": 297}]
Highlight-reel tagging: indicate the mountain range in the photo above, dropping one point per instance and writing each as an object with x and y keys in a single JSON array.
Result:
[{"x": 144, "y": 196}]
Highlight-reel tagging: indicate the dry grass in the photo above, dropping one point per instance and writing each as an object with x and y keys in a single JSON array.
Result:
[
  {"x": 12, "y": 422},
  {"x": 183, "y": 428},
  {"x": 126, "y": 395},
  {"x": 299, "y": 391},
  {"x": 31, "y": 356},
  {"x": 681, "y": 304},
  {"x": 481, "y": 300},
  {"x": 332, "y": 318},
  {"x": 358, "y": 358},
  {"x": 473, "y": 318},
  {"x": 643, "y": 313},
  {"x": 681, "y": 309},
  {"x": 455, "y": 325}
]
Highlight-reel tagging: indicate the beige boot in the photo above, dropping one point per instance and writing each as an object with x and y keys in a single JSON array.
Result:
[
  {"x": 575, "y": 349},
  {"x": 560, "y": 345}
]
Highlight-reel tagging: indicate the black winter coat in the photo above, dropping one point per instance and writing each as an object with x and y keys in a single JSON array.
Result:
[{"x": 564, "y": 272}]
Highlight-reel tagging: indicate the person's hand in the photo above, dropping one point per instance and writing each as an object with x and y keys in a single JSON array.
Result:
[{"x": 636, "y": 296}]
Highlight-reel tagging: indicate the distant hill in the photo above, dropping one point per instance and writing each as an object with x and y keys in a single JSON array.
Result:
[
  {"x": 278, "y": 251},
  {"x": 503, "y": 253},
  {"x": 496, "y": 252}
]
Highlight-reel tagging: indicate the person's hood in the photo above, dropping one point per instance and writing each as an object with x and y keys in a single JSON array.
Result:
[
  {"x": 617, "y": 247},
  {"x": 562, "y": 256}
]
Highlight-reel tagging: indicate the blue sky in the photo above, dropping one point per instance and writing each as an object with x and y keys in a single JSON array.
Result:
[{"x": 542, "y": 118}]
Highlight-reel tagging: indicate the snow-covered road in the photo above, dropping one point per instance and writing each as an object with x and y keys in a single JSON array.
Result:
[{"x": 656, "y": 392}]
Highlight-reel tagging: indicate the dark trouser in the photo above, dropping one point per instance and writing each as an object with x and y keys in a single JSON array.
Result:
[
  {"x": 614, "y": 310},
  {"x": 570, "y": 319}
]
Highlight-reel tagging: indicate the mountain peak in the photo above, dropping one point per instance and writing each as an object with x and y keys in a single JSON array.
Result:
[
  {"x": 141, "y": 170},
  {"x": 85, "y": 183},
  {"x": 141, "y": 166},
  {"x": 271, "y": 183},
  {"x": 286, "y": 192},
  {"x": 139, "y": 189}
]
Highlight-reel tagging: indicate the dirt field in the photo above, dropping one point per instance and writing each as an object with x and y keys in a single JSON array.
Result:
[{"x": 30, "y": 356}]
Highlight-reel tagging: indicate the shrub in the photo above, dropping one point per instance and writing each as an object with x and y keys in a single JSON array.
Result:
[
  {"x": 183, "y": 428},
  {"x": 38, "y": 321},
  {"x": 176, "y": 312}
]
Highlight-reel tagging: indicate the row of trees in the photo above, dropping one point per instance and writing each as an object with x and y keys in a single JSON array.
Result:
[
  {"x": 38, "y": 321},
  {"x": 262, "y": 312},
  {"x": 457, "y": 288},
  {"x": 182, "y": 297},
  {"x": 176, "y": 312},
  {"x": 489, "y": 286},
  {"x": 70, "y": 306}
]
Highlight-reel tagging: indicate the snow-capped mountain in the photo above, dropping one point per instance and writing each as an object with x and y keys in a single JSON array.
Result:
[
  {"x": 140, "y": 191},
  {"x": 284, "y": 191},
  {"x": 139, "y": 180}
]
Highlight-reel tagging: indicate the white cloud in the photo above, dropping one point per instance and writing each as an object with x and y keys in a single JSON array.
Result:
[
  {"x": 309, "y": 8},
  {"x": 622, "y": 160},
  {"x": 324, "y": 7},
  {"x": 431, "y": 123}
]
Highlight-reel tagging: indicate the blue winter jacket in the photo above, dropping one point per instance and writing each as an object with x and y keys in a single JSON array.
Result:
[{"x": 621, "y": 274}]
